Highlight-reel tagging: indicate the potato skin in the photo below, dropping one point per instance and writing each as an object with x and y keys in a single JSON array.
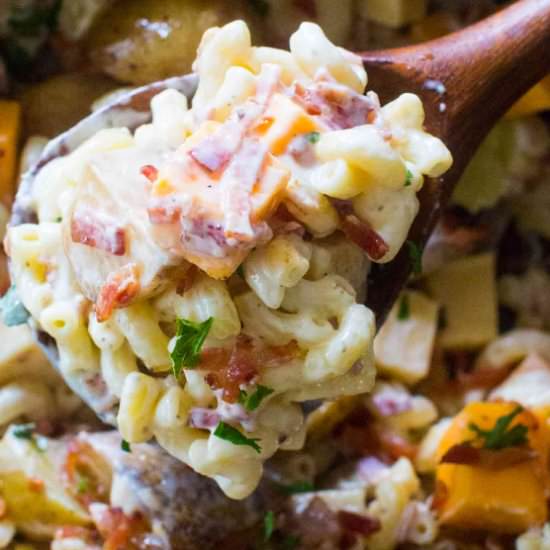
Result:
[
  {"x": 58, "y": 103},
  {"x": 140, "y": 41}
]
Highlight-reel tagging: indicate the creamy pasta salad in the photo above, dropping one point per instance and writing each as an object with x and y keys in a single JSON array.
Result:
[{"x": 205, "y": 274}]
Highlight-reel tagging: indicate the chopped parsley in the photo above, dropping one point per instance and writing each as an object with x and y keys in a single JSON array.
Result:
[
  {"x": 12, "y": 310},
  {"x": 415, "y": 255},
  {"x": 313, "y": 137},
  {"x": 83, "y": 485},
  {"x": 290, "y": 542},
  {"x": 253, "y": 400},
  {"x": 125, "y": 446},
  {"x": 59, "y": 219},
  {"x": 231, "y": 434},
  {"x": 26, "y": 431},
  {"x": 240, "y": 271},
  {"x": 261, "y": 7},
  {"x": 501, "y": 436},
  {"x": 408, "y": 178},
  {"x": 269, "y": 525},
  {"x": 296, "y": 488},
  {"x": 190, "y": 337},
  {"x": 404, "y": 311}
]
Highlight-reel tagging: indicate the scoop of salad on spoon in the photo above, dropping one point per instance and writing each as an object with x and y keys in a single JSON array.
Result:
[{"x": 194, "y": 254}]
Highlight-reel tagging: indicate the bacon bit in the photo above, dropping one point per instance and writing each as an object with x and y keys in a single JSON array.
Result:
[
  {"x": 482, "y": 378},
  {"x": 163, "y": 215},
  {"x": 467, "y": 454},
  {"x": 118, "y": 529},
  {"x": 3, "y": 507},
  {"x": 229, "y": 369},
  {"x": 186, "y": 282},
  {"x": 396, "y": 446},
  {"x": 89, "y": 230},
  {"x": 118, "y": 291},
  {"x": 82, "y": 462},
  {"x": 211, "y": 153},
  {"x": 440, "y": 495},
  {"x": 307, "y": 6},
  {"x": 75, "y": 532},
  {"x": 359, "y": 231},
  {"x": 360, "y": 524},
  {"x": 150, "y": 172},
  {"x": 36, "y": 485},
  {"x": 339, "y": 106}
]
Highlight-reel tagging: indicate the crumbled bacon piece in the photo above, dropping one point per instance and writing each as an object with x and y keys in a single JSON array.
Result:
[
  {"x": 339, "y": 106},
  {"x": 36, "y": 485},
  {"x": 76, "y": 532},
  {"x": 85, "y": 474},
  {"x": 90, "y": 230},
  {"x": 150, "y": 172},
  {"x": 211, "y": 153},
  {"x": 229, "y": 369},
  {"x": 467, "y": 454},
  {"x": 186, "y": 282},
  {"x": 162, "y": 215},
  {"x": 308, "y": 7},
  {"x": 359, "y": 524},
  {"x": 360, "y": 232},
  {"x": 118, "y": 291},
  {"x": 118, "y": 529}
]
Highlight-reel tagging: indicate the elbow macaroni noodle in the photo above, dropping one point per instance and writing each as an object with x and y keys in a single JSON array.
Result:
[{"x": 297, "y": 291}]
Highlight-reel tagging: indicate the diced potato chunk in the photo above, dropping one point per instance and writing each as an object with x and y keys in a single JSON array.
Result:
[
  {"x": 466, "y": 291},
  {"x": 529, "y": 385},
  {"x": 508, "y": 499},
  {"x": 396, "y": 13},
  {"x": 403, "y": 346}
]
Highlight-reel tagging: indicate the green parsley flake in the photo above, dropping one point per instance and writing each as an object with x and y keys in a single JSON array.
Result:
[
  {"x": 500, "y": 437},
  {"x": 415, "y": 255},
  {"x": 296, "y": 488},
  {"x": 313, "y": 137},
  {"x": 190, "y": 337},
  {"x": 252, "y": 401},
  {"x": 290, "y": 542},
  {"x": 24, "y": 431},
  {"x": 404, "y": 311},
  {"x": 240, "y": 271},
  {"x": 83, "y": 485},
  {"x": 231, "y": 434},
  {"x": 125, "y": 446},
  {"x": 269, "y": 525},
  {"x": 408, "y": 178},
  {"x": 12, "y": 310}
]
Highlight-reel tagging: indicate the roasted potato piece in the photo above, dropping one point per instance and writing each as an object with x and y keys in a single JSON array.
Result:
[
  {"x": 139, "y": 41},
  {"x": 55, "y": 105}
]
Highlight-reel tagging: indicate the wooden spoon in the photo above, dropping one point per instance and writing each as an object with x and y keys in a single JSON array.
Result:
[{"x": 467, "y": 81}]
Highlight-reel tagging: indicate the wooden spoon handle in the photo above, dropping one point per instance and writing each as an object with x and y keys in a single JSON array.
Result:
[
  {"x": 483, "y": 70},
  {"x": 467, "y": 81}
]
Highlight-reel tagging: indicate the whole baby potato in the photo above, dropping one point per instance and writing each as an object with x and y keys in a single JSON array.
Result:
[
  {"x": 139, "y": 41},
  {"x": 58, "y": 103}
]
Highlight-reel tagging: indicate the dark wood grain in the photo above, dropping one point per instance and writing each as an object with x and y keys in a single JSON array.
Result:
[{"x": 467, "y": 81}]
